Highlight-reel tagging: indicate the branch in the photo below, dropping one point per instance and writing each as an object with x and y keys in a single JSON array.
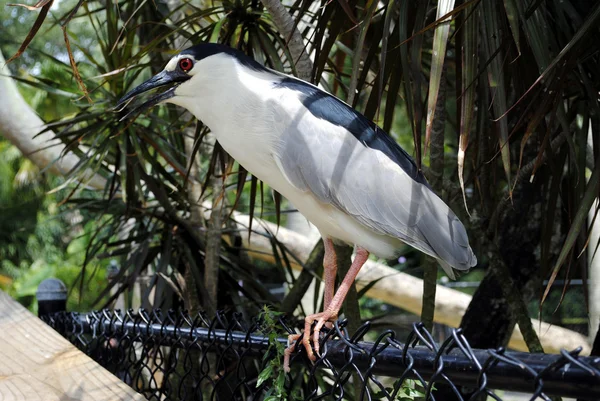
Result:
[
  {"x": 304, "y": 280},
  {"x": 196, "y": 219},
  {"x": 516, "y": 304},
  {"x": 287, "y": 27},
  {"x": 20, "y": 125},
  {"x": 436, "y": 161}
]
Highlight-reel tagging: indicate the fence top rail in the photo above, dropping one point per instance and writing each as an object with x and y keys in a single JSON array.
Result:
[{"x": 453, "y": 364}]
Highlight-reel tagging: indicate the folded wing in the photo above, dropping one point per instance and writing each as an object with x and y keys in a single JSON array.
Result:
[{"x": 345, "y": 160}]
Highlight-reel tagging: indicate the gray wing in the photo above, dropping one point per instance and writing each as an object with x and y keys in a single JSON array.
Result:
[{"x": 326, "y": 159}]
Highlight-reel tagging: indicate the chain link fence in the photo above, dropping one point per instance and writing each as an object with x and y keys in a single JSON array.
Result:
[{"x": 174, "y": 356}]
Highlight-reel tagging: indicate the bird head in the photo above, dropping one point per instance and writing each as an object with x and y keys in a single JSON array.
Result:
[{"x": 183, "y": 74}]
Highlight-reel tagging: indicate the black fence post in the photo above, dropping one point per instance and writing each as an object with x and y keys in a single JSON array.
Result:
[{"x": 51, "y": 296}]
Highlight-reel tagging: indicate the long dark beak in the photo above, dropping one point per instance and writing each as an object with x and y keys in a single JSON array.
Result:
[{"x": 163, "y": 78}]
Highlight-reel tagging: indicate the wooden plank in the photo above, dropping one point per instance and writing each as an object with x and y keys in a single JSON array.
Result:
[{"x": 37, "y": 363}]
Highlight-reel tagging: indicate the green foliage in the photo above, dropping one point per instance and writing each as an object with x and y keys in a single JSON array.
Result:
[
  {"x": 21, "y": 197},
  {"x": 38, "y": 239},
  {"x": 406, "y": 390},
  {"x": 411, "y": 390},
  {"x": 273, "y": 373}
]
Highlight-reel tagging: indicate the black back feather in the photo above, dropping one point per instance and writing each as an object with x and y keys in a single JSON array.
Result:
[{"x": 324, "y": 106}]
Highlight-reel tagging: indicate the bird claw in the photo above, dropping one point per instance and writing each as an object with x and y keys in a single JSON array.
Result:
[
  {"x": 287, "y": 354},
  {"x": 323, "y": 319}
]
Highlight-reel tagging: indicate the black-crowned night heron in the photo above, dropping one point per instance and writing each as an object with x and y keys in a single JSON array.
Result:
[{"x": 342, "y": 172}]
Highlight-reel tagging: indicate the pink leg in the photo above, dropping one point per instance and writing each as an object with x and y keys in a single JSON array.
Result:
[
  {"x": 332, "y": 306},
  {"x": 330, "y": 270},
  {"x": 331, "y": 311}
]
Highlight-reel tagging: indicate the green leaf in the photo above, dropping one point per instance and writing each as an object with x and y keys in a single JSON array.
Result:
[
  {"x": 440, "y": 41},
  {"x": 578, "y": 223},
  {"x": 356, "y": 59},
  {"x": 216, "y": 33},
  {"x": 492, "y": 43},
  {"x": 264, "y": 375},
  {"x": 512, "y": 13},
  {"x": 469, "y": 60}
]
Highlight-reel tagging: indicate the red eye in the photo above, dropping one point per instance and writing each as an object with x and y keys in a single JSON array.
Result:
[{"x": 186, "y": 64}]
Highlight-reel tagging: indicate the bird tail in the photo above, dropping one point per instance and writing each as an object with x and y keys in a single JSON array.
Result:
[{"x": 454, "y": 273}]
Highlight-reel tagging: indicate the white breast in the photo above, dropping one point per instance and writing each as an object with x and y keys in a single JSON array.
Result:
[{"x": 242, "y": 109}]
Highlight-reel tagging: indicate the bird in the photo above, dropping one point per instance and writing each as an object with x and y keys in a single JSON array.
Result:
[{"x": 339, "y": 169}]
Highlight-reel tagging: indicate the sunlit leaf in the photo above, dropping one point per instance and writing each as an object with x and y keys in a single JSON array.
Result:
[
  {"x": 34, "y": 29},
  {"x": 36, "y": 6},
  {"x": 440, "y": 41}
]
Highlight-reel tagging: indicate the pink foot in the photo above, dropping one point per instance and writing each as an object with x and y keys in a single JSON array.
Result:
[{"x": 322, "y": 319}]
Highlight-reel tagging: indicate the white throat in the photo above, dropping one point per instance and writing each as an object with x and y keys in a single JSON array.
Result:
[
  {"x": 225, "y": 95},
  {"x": 236, "y": 103}
]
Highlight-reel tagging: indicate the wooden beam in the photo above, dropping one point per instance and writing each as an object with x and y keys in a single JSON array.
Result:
[{"x": 37, "y": 363}]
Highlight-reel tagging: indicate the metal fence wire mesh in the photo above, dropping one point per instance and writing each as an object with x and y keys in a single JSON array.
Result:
[{"x": 174, "y": 356}]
